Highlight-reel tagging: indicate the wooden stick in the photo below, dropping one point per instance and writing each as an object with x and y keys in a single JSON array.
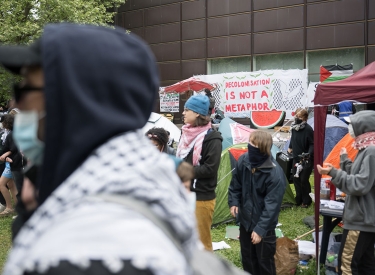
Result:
[
  {"x": 311, "y": 231},
  {"x": 307, "y": 233}
]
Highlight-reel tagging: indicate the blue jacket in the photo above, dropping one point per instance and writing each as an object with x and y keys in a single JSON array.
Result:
[{"x": 258, "y": 196}]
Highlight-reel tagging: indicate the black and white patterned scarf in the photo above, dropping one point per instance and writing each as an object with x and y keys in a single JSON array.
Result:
[
  {"x": 127, "y": 164},
  {"x": 298, "y": 127}
]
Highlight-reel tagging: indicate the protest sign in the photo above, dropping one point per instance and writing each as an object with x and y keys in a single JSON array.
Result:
[
  {"x": 169, "y": 102},
  {"x": 238, "y": 94}
]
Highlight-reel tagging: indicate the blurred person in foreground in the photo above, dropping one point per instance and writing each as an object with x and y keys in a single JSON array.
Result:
[
  {"x": 255, "y": 194},
  {"x": 67, "y": 228},
  {"x": 357, "y": 179}
]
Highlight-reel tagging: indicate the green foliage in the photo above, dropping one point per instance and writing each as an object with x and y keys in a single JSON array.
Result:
[{"x": 22, "y": 21}]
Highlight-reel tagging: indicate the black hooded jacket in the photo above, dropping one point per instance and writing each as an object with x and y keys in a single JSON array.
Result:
[
  {"x": 205, "y": 174},
  {"x": 257, "y": 195},
  {"x": 96, "y": 87}
]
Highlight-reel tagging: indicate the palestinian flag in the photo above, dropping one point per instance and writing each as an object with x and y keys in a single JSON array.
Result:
[{"x": 335, "y": 72}]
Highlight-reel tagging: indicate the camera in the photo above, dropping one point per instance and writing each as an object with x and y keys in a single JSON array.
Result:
[{"x": 304, "y": 156}]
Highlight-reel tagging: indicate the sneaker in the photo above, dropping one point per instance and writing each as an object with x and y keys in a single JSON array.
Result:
[
  {"x": 2, "y": 207},
  {"x": 312, "y": 196}
]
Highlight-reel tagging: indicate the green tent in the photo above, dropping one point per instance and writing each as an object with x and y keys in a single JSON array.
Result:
[{"x": 229, "y": 157}]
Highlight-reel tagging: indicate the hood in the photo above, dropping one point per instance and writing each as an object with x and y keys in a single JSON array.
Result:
[
  {"x": 99, "y": 82},
  {"x": 363, "y": 122},
  {"x": 213, "y": 135}
]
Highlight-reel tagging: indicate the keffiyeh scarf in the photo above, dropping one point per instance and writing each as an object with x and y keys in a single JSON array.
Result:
[
  {"x": 127, "y": 164},
  {"x": 192, "y": 137},
  {"x": 364, "y": 140}
]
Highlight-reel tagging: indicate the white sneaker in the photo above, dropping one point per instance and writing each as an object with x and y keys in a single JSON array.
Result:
[{"x": 2, "y": 207}]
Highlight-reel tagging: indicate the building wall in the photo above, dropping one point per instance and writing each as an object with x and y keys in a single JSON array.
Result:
[{"x": 210, "y": 36}]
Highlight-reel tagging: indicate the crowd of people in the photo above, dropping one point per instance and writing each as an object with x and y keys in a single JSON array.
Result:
[{"x": 81, "y": 177}]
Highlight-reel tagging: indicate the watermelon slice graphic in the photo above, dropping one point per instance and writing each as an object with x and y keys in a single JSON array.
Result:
[{"x": 266, "y": 120}]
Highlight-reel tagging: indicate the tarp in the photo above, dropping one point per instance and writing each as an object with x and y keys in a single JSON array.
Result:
[
  {"x": 229, "y": 158},
  {"x": 159, "y": 121},
  {"x": 230, "y": 135},
  {"x": 335, "y": 131},
  {"x": 359, "y": 87},
  {"x": 334, "y": 156}
]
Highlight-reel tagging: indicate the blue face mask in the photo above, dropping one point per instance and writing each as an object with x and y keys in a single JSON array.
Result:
[{"x": 25, "y": 134}]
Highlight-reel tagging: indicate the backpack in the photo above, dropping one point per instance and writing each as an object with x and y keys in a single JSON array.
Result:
[{"x": 202, "y": 262}]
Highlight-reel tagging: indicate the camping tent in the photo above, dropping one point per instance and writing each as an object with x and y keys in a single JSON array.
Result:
[
  {"x": 160, "y": 121},
  {"x": 335, "y": 131},
  {"x": 333, "y": 157},
  {"x": 358, "y": 87},
  {"x": 228, "y": 162},
  {"x": 232, "y": 131}
]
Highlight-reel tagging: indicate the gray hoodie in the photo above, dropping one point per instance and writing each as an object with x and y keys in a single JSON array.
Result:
[{"x": 357, "y": 179}]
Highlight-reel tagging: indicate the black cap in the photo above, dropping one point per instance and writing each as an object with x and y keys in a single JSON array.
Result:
[{"x": 13, "y": 58}]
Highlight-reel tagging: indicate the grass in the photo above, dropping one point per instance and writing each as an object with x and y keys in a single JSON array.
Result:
[
  {"x": 291, "y": 220},
  {"x": 5, "y": 239}
]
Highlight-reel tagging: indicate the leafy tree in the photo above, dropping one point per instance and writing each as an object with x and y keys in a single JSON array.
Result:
[{"x": 22, "y": 21}]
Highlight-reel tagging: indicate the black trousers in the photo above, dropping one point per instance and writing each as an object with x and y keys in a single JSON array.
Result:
[
  {"x": 18, "y": 180},
  {"x": 356, "y": 255},
  {"x": 258, "y": 258},
  {"x": 302, "y": 184}
]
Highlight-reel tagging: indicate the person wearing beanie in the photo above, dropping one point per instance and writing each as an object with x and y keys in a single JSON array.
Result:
[{"x": 201, "y": 146}]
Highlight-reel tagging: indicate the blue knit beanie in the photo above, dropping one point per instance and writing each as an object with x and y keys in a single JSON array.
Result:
[{"x": 198, "y": 104}]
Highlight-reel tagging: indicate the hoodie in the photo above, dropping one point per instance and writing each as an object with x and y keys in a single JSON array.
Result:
[
  {"x": 357, "y": 179},
  {"x": 96, "y": 87},
  {"x": 100, "y": 86},
  {"x": 205, "y": 174}
]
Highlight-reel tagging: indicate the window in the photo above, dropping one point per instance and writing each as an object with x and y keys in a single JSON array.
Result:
[
  {"x": 229, "y": 65},
  {"x": 283, "y": 61},
  {"x": 315, "y": 59}
]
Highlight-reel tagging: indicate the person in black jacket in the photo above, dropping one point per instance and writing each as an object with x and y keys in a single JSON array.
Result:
[
  {"x": 201, "y": 146},
  {"x": 302, "y": 141},
  {"x": 255, "y": 195}
]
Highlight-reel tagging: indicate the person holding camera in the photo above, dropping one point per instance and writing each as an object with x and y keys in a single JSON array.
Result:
[{"x": 301, "y": 144}]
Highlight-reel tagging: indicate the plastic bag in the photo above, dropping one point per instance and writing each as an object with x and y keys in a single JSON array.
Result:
[{"x": 286, "y": 257}]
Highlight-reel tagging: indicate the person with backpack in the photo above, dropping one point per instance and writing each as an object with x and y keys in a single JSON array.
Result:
[
  {"x": 201, "y": 146},
  {"x": 255, "y": 195}
]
